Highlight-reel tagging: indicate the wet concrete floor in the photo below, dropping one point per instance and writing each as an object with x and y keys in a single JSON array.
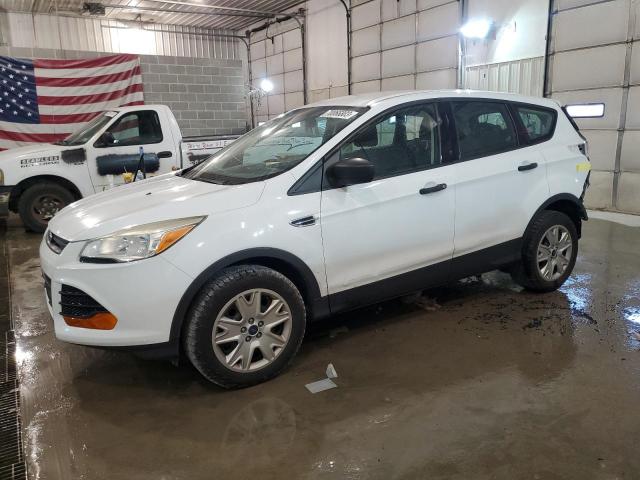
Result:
[{"x": 475, "y": 380}]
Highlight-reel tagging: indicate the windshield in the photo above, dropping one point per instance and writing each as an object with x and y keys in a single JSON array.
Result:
[
  {"x": 275, "y": 146},
  {"x": 88, "y": 130}
]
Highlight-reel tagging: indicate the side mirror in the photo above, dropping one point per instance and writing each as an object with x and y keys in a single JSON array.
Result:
[
  {"x": 107, "y": 139},
  {"x": 351, "y": 171}
]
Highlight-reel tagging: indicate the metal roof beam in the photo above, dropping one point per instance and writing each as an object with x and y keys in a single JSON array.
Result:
[
  {"x": 218, "y": 7},
  {"x": 184, "y": 12}
]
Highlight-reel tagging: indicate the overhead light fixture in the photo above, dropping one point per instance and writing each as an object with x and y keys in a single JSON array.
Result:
[
  {"x": 586, "y": 110},
  {"x": 266, "y": 85},
  {"x": 93, "y": 8},
  {"x": 477, "y": 28}
]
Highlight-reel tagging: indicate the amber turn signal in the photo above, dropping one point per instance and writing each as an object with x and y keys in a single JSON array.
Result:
[
  {"x": 172, "y": 237},
  {"x": 98, "y": 321}
]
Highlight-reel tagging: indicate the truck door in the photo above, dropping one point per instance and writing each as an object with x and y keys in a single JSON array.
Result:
[{"x": 116, "y": 151}]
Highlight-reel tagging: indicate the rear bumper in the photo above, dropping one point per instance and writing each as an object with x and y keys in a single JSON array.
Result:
[{"x": 5, "y": 193}]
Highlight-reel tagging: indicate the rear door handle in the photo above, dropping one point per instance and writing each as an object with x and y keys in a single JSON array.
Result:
[
  {"x": 434, "y": 189},
  {"x": 528, "y": 166},
  {"x": 165, "y": 154}
]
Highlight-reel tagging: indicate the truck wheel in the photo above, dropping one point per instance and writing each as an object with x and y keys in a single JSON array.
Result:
[
  {"x": 245, "y": 326},
  {"x": 40, "y": 202},
  {"x": 549, "y": 252}
]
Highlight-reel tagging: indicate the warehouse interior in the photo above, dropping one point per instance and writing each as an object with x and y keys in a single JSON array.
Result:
[{"x": 475, "y": 378}]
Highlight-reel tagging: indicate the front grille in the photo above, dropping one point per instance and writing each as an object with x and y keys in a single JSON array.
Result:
[
  {"x": 76, "y": 303},
  {"x": 47, "y": 286},
  {"x": 56, "y": 243}
]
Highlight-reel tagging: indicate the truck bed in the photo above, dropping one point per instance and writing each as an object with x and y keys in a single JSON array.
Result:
[{"x": 196, "y": 149}]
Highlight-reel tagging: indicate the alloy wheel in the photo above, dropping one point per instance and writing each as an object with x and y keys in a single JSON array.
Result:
[
  {"x": 251, "y": 330},
  {"x": 554, "y": 252}
]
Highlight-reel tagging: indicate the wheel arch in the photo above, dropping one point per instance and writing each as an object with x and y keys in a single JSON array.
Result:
[
  {"x": 281, "y": 261},
  {"x": 568, "y": 204},
  {"x": 23, "y": 185}
]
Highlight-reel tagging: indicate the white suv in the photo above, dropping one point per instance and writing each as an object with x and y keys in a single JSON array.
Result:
[{"x": 326, "y": 208}]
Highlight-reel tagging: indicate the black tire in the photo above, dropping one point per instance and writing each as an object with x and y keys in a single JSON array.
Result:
[
  {"x": 31, "y": 200},
  {"x": 198, "y": 331},
  {"x": 527, "y": 273}
]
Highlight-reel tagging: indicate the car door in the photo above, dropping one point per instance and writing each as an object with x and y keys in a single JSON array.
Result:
[
  {"x": 117, "y": 151},
  {"x": 500, "y": 181},
  {"x": 395, "y": 233}
]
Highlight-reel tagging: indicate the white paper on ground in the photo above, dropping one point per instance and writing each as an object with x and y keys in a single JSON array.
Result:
[
  {"x": 324, "y": 384},
  {"x": 321, "y": 385}
]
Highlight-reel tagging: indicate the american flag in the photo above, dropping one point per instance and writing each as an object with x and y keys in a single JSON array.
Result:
[{"x": 46, "y": 100}]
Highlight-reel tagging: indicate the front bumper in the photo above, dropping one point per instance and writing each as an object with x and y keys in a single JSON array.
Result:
[
  {"x": 5, "y": 194},
  {"x": 143, "y": 296}
]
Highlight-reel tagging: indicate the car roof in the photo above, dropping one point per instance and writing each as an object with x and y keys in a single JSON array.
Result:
[{"x": 373, "y": 98}]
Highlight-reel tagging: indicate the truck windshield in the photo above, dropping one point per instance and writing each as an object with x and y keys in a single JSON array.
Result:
[
  {"x": 275, "y": 146},
  {"x": 88, "y": 130}
]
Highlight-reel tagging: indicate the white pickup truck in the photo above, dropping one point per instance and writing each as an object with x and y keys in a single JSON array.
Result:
[{"x": 37, "y": 181}]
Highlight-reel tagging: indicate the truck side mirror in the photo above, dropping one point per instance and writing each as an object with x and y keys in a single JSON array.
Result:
[{"x": 106, "y": 139}]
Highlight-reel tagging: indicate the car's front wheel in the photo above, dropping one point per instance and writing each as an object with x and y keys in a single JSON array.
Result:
[
  {"x": 245, "y": 326},
  {"x": 549, "y": 252}
]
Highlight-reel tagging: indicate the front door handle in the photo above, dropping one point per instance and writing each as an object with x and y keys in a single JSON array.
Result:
[
  {"x": 165, "y": 154},
  {"x": 528, "y": 166},
  {"x": 434, "y": 189}
]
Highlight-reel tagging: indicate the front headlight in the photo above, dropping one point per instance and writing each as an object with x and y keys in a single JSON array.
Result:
[{"x": 136, "y": 243}]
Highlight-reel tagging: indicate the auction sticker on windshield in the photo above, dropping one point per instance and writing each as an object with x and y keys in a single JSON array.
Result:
[{"x": 344, "y": 114}]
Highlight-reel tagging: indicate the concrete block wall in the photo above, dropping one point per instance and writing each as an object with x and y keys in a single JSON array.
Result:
[{"x": 207, "y": 96}]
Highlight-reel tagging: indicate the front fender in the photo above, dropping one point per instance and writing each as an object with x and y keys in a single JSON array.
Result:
[{"x": 70, "y": 165}]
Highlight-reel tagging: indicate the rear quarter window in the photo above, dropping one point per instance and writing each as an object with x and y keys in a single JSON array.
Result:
[{"x": 538, "y": 123}]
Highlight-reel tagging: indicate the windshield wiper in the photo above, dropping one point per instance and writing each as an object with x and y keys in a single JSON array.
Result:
[{"x": 61, "y": 142}]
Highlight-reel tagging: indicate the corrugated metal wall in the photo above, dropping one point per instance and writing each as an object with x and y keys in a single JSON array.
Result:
[
  {"x": 524, "y": 76},
  {"x": 595, "y": 58},
  {"x": 276, "y": 54},
  {"x": 404, "y": 44},
  {"x": 396, "y": 44},
  {"x": 100, "y": 35}
]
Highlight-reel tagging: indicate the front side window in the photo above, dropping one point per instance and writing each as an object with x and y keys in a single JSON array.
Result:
[
  {"x": 136, "y": 128},
  {"x": 537, "y": 122},
  {"x": 275, "y": 146},
  {"x": 404, "y": 141},
  {"x": 483, "y": 128}
]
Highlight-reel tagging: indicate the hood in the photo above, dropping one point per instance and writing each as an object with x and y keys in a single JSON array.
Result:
[
  {"x": 36, "y": 150},
  {"x": 162, "y": 198}
]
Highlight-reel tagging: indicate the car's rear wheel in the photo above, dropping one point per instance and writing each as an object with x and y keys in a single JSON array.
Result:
[
  {"x": 245, "y": 326},
  {"x": 40, "y": 202},
  {"x": 549, "y": 252}
]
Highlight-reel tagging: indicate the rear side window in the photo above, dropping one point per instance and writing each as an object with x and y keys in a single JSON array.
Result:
[
  {"x": 483, "y": 128},
  {"x": 537, "y": 122}
]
